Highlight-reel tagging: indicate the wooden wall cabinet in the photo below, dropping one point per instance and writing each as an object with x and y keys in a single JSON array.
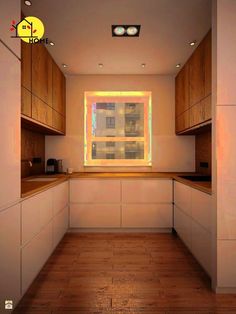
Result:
[
  {"x": 42, "y": 73},
  {"x": 43, "y": 90},
  {"x": 41, "y": 112},
  {"x": 193, "y": 89}
]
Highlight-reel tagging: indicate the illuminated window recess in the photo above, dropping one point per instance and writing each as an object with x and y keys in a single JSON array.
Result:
[{"x": 93, "y": 137}]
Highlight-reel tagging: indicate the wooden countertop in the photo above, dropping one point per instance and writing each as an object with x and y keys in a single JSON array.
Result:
[{"x": 28, "y": 188}]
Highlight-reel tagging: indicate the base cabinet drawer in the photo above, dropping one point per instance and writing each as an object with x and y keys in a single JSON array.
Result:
[
  {"x": 94, "y": 215},
  {"x": 95, "y": 191},
  {"x": 201, "y": 246},
  {"x": 60, "y": 226},
  {"x": 36, "y": 213},
  {"x": 60, "y": 197},
  {"x": 147, "y": 215},
  {"x": 182, "y": 224},
  {"x": 34, "y": 255},
  {"x": 147, "y": 191}
]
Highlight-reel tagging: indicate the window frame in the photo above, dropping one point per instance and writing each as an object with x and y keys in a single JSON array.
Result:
[{"x": 93, "y": 97}]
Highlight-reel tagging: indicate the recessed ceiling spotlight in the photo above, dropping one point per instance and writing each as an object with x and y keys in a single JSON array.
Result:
[
  {"x": 143, "y": 65},
  {"x": 125, "y": 30},
  {"x": 64, "y": 65},
  {"x": 178, "y": 65},
  {"x": 52, "y": 43},
  {"x": 192, "y": 43},
  {"x": 28, "y": 3},
  {"x": 100, "y": 65},
  {"x": 132, "y": 30},
  {"x": 119, "y": 30}
]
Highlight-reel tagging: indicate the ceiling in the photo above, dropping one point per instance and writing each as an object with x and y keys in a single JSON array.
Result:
[{"x": 81, "y": 30}]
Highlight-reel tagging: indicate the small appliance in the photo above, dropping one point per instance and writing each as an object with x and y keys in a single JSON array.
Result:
[{"x": 52, "y": 166}]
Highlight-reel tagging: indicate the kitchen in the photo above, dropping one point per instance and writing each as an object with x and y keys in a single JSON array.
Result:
[{"x": 117, "y": 159}]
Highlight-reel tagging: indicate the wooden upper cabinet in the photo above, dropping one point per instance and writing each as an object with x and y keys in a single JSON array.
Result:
[
  {"x": 58, "y": 93},
  {"x": 207, "y": 63},
  {"x": 26, "y": 59},
  {"x": 197, "y": 75},
  {"x": 182, "y": 90},
  {"x": 42, "y": 73}
]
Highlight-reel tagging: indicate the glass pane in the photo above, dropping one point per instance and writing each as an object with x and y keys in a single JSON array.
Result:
[
  {"x": 118, "y": 119},
  {"x": 118, "y": 150}
]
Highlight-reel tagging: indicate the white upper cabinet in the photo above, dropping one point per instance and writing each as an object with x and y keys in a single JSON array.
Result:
[
  {"x": 147, "y": 191},
  {"x": 10, "y": 11},
  {"x": 10, "y": 124}
]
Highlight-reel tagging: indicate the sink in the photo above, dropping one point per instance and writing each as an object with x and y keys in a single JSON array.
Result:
[
  {"x": 42, "y": 179},
  {"x": 197, "y": 178}
]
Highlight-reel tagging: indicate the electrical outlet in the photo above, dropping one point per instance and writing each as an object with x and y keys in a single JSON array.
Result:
[{"x": 204, "y": 164}]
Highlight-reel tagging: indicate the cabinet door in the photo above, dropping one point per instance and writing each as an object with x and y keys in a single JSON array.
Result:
[
  {"x": 26, "y": 102},
  {"x": 196, "y": 114},
  {"x": 10, "y": 10},
  {"x": 147, "y": 191},
  {"x": 95, "y": 191},
  {"x": 201, "y": 208},
  {"x": 208, "y": 64},
  {"x": 182, "y": 90},
  {"x": 42, "y": 73},
  {"x": 58, "y": 96},
  {"x": 197, "y": 75},
  {"x": 26, "y": 60},
  {"x": 147, "y": 216},
  {"x": 207, "y": 108},
  {"x": 95, "y": 216},
  {"x": 35, "y": 254},
  {"x": 41, "y": 111},
  {"x": 36, "y": 214},
  {"x": 60, "y": 197},
  {"x": 10, "y": 126},
  {"x": 182, "y": 197},
  {"x": 58, "y": 121},
  {"x": 182, "y": 122},
  {"x": 10, "y": 255},
  {"x": 201, "y": 246},
  {"x": 183, "y": 226},
  {"x": 60, "y": 226}
]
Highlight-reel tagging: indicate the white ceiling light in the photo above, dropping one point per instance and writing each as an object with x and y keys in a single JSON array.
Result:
[
  {"x": 192, "y": 43},
  {"x": 143, "y": 65},
  {"x": 132, "y": 30},
  {"x": 178, "y": 65},
  {"x": 52, "y": 43},
  {"x": 100, "y": 65},
  {"x": 28, "y": 3},
  {"x": 64, "y": 65},
  {"x": 119, "y": 30}
]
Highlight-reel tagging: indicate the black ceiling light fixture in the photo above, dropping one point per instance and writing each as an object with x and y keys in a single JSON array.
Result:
[{"x": 125, "y": 30}]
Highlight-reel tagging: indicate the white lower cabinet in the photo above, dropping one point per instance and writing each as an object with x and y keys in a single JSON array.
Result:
[
  {"x": 94, "y": 215},
  {"x": 182, "y": 224},
  {"x": 192, "y": 221},
  {"x": 35, "y": 254},
  {"x": 10, "y": 255},
  {"x": 60, "y": 226},
  {"x": 147, "y": 215},
  {"x": 44, "y": 221},
  {"x": 121, "y": 203}
]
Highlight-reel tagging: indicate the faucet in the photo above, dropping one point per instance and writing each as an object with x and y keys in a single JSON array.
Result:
[{"x": 28, "y": 161}]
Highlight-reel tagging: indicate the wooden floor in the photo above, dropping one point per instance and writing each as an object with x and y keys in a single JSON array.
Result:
[{"x": 123, "y": 273}]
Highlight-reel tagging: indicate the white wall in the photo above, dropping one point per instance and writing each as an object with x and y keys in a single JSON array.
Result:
[{"x": 169, "y": 152}]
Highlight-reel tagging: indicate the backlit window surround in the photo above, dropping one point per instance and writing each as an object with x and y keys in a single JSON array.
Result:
[{"x": 117, "y": 128}]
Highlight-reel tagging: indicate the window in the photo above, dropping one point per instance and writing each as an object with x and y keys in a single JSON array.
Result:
[
  {"x": 110, "y": 122},
  {"x": 117, "y": 129}
]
